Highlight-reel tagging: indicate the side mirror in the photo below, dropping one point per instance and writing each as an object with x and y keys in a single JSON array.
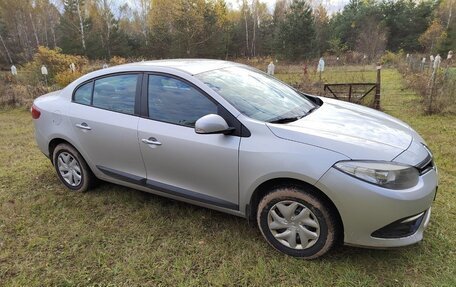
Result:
[{"x": 212, "y": 124}]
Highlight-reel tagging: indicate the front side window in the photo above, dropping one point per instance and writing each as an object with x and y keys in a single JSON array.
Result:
[
  {"x": 174, "y": 101},
  {"x": 257, "y": 95},
  {"x": 116, "y": 93}
]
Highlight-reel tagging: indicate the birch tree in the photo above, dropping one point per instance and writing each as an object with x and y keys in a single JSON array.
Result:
[
  {"x": 6, "y": 49},
  {"x": 73, "y": 26},
  {"x": 143, "y": 8},
  {"x": 81, "y": 22},
  {"x": 246, "y": 13}
]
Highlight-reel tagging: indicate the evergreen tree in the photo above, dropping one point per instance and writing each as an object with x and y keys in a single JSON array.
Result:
[
  {"x": 74, "y": 27},
  {"x": 297, "y": 32}
]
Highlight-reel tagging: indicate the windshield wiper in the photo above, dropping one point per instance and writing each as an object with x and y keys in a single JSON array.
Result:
[
  {"x": 293, "y": 119},
  {"x": 312, "y": 109},
  {"x": 286, "y": 120}
]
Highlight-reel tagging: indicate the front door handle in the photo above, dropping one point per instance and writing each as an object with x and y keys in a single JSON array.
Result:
[
  {"x": 83, "y": 126},
  {"x": 151, "y": 140}
]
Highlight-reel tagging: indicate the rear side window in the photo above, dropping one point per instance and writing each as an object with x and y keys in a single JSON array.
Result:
[
  {"x": 116, "y": 93},
  {"x": 177, "y": 102},
  {"x": 83, "y": 94}
]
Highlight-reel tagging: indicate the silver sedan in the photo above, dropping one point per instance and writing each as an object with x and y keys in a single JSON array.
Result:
[{"x": 310, "y": 171}]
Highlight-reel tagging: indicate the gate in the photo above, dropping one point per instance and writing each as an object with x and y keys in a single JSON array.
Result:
[{"x": 355, "y": 92}]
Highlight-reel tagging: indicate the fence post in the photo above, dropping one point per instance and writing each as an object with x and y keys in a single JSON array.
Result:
[
  {"x": 377, "y": 87},
  {"x": 431, "y": 88}
]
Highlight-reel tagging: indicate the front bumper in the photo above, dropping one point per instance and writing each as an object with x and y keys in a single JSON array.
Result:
[{"x": 366, "y": 208}]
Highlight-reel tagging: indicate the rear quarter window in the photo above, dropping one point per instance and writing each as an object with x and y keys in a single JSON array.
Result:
[{"x": 83, "y": 94}]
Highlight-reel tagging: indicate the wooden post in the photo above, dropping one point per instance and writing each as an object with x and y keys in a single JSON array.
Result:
[
  {"x": 377, "y": 87},
  {"x": 431, "y": 90},
  {"x": 349, "y": 92}
]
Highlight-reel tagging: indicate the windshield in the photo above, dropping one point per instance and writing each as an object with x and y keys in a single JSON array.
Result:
[{"x": 257, "y": 95}]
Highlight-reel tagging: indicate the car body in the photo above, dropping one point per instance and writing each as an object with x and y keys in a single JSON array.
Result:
[{"x": 143, "y": 141}]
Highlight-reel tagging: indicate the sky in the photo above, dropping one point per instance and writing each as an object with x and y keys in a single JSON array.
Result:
[{"x": 332, "y": 6}]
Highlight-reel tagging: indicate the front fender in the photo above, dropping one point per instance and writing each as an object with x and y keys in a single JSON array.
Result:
[{"x": 280, "y": 158}]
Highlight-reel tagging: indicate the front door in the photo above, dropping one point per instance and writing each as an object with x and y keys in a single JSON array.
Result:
[{"x": 179, "y": 161}]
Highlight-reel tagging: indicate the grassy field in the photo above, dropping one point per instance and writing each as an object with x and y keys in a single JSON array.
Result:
[{"x": 121, "y": 237}]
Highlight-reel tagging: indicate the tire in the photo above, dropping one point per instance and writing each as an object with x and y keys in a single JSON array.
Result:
[
  {"x": 74, "y": 165},
  {"x": 308, "y": 217}
]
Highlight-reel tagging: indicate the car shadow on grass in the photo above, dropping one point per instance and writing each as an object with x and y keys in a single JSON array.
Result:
[
  {"x": 247, "y": 233},
  {"x": 213, "y": 220}
]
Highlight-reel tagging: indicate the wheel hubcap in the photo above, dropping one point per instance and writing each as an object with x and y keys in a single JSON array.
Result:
[
  {"x": 293, "y": 224},
  {"x": 69, "y": 169}
]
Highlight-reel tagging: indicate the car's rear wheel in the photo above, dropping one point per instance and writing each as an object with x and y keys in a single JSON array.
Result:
[
  {"x": 71, "y": 168},
  {"x": 297, "y": 223}
]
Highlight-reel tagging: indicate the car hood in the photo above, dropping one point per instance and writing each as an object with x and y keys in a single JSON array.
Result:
[{"x": 353, "y": 130}]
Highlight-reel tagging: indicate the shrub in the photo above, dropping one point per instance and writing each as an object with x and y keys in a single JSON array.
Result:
[
  {"x": 390, "y": 58},
  {"x": 116, "y": 60},
  {"x": 16, "y": 94},
  {"x": 62, "y": 79},
  {"x": 55, "y": 62},
  {"x": 438, "y": 96},
  {"x": 443, "y": 97}
]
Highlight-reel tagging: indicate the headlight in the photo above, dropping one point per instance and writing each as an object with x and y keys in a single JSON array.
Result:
[{"x": 385, "y": 174}]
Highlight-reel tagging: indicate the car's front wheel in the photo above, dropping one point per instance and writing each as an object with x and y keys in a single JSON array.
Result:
[
  {"x": 71, "y": 168},
  {"x": 297, "y": 222}
]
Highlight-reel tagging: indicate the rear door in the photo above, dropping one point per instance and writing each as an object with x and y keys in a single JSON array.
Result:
[
  {"x": 104, "y": 115},
  {"x": 179, "y": 161}
]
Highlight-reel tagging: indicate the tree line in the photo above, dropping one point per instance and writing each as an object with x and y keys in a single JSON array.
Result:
[{"x": 153, "y": 29}]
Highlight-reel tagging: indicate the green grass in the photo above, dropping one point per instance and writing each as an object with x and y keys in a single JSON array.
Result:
[
  {"x": 452, "y": 71},
  {"x": 122, "y": 237}
]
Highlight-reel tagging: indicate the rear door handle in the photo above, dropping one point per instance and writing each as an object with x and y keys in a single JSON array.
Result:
[
  {"x": 83, "y": 126},
  {"x": 151, "y": 140}
]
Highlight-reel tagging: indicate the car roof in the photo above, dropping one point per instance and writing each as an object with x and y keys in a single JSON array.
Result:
[{"x": 190, "y": 66}]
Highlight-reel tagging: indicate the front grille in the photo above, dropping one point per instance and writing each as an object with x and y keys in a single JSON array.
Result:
[
  {"x": 426, "y": 165},
  {"x": 401, "y": 228}
]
